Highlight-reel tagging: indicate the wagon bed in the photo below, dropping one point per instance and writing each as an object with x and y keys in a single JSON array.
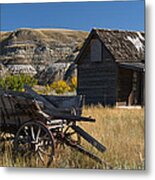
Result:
[{"x": 19, "y": 107}]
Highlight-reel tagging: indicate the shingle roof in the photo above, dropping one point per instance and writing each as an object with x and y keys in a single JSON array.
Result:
[{"x": 124, "y": 45}]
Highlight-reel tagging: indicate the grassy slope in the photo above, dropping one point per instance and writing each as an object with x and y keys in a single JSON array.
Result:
[
  {"x": 47, "y": 35},
  {"x": 120, "y": 130}
]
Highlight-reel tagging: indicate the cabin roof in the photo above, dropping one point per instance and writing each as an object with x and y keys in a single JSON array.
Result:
[{"x": 125, "y": 46}]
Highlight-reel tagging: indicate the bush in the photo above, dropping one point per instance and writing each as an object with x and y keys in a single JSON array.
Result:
[
  {"x": 16, "y": 82},
  {"x": 61, "y": 87}
]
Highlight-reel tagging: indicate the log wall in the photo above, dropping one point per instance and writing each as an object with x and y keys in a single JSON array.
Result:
[{"x": 98, "y": 83}]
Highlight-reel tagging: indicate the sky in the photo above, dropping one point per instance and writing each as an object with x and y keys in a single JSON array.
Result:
[{"x": 127, "y": 15}]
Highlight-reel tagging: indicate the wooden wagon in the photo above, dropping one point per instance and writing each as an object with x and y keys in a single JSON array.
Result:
[{"x": 39, "y": 123}]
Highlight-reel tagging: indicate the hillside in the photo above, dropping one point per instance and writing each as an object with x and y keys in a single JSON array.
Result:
[{"x": 34, "y": 50}]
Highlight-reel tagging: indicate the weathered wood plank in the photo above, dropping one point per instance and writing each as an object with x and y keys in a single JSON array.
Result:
[
  {"x": 57, "y": 114},
  {"x": 4, "y": 108},
  {"x": 97, "y": 72},
  {"x": 97, "y": 78},
  {"x": 12, "y": 108},
  {"x": 65, "y": 101},
  {"x": 49, "y": 107},
  {"x": 99, "y": 66},
  {"x": 88, "y": 83}
]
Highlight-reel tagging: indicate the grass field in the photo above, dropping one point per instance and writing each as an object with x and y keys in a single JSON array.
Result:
[{"x": 120, "y": 130}]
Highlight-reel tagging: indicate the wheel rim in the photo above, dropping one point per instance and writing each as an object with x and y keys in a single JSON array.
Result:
[{"x": 35, "y": 144}]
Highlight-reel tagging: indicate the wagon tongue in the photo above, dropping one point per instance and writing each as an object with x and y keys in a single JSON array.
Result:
[{"x": 89, "y": 138}]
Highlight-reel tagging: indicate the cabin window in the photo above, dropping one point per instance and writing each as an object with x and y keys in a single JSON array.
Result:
[{"x": 96, "y": 50}]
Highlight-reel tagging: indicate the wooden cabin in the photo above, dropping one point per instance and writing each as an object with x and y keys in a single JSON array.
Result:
[{"x": 110, "y": 67}]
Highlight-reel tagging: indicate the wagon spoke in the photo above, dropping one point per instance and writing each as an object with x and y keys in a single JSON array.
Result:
[
  {"x": 32, "y": 132},
  {"x": 41, "y": 157},
  {"x": 45, "y": 143},
  {"x": 38, "y": 134},
  {"x": 45, "y": 137},
  {"x": 43, "y": 152}
]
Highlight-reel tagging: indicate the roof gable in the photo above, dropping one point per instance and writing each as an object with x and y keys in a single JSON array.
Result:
[{"x": 125, "y": 46}]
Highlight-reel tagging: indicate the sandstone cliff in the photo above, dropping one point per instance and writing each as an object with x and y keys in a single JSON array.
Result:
[{"x": 35, "y": 51}]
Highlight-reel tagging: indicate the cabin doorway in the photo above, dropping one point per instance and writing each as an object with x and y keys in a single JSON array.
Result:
[{"x": 130, "y": 87}]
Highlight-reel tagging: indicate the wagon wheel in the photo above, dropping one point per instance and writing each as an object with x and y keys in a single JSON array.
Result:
[
  {"x": 35, "y": 144},
  {"x": 68, "y": 136}
]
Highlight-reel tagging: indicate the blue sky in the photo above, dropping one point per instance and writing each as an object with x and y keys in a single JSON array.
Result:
[{"x": 127, "y": 15}]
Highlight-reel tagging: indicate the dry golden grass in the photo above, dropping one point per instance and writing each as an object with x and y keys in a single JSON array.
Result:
[
  {"x": 4, "y": 35},
  {"x": 120, "y": 130}
]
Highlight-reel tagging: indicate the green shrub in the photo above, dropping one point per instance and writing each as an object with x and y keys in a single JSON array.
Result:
[{"x": 16, "y": 82}]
